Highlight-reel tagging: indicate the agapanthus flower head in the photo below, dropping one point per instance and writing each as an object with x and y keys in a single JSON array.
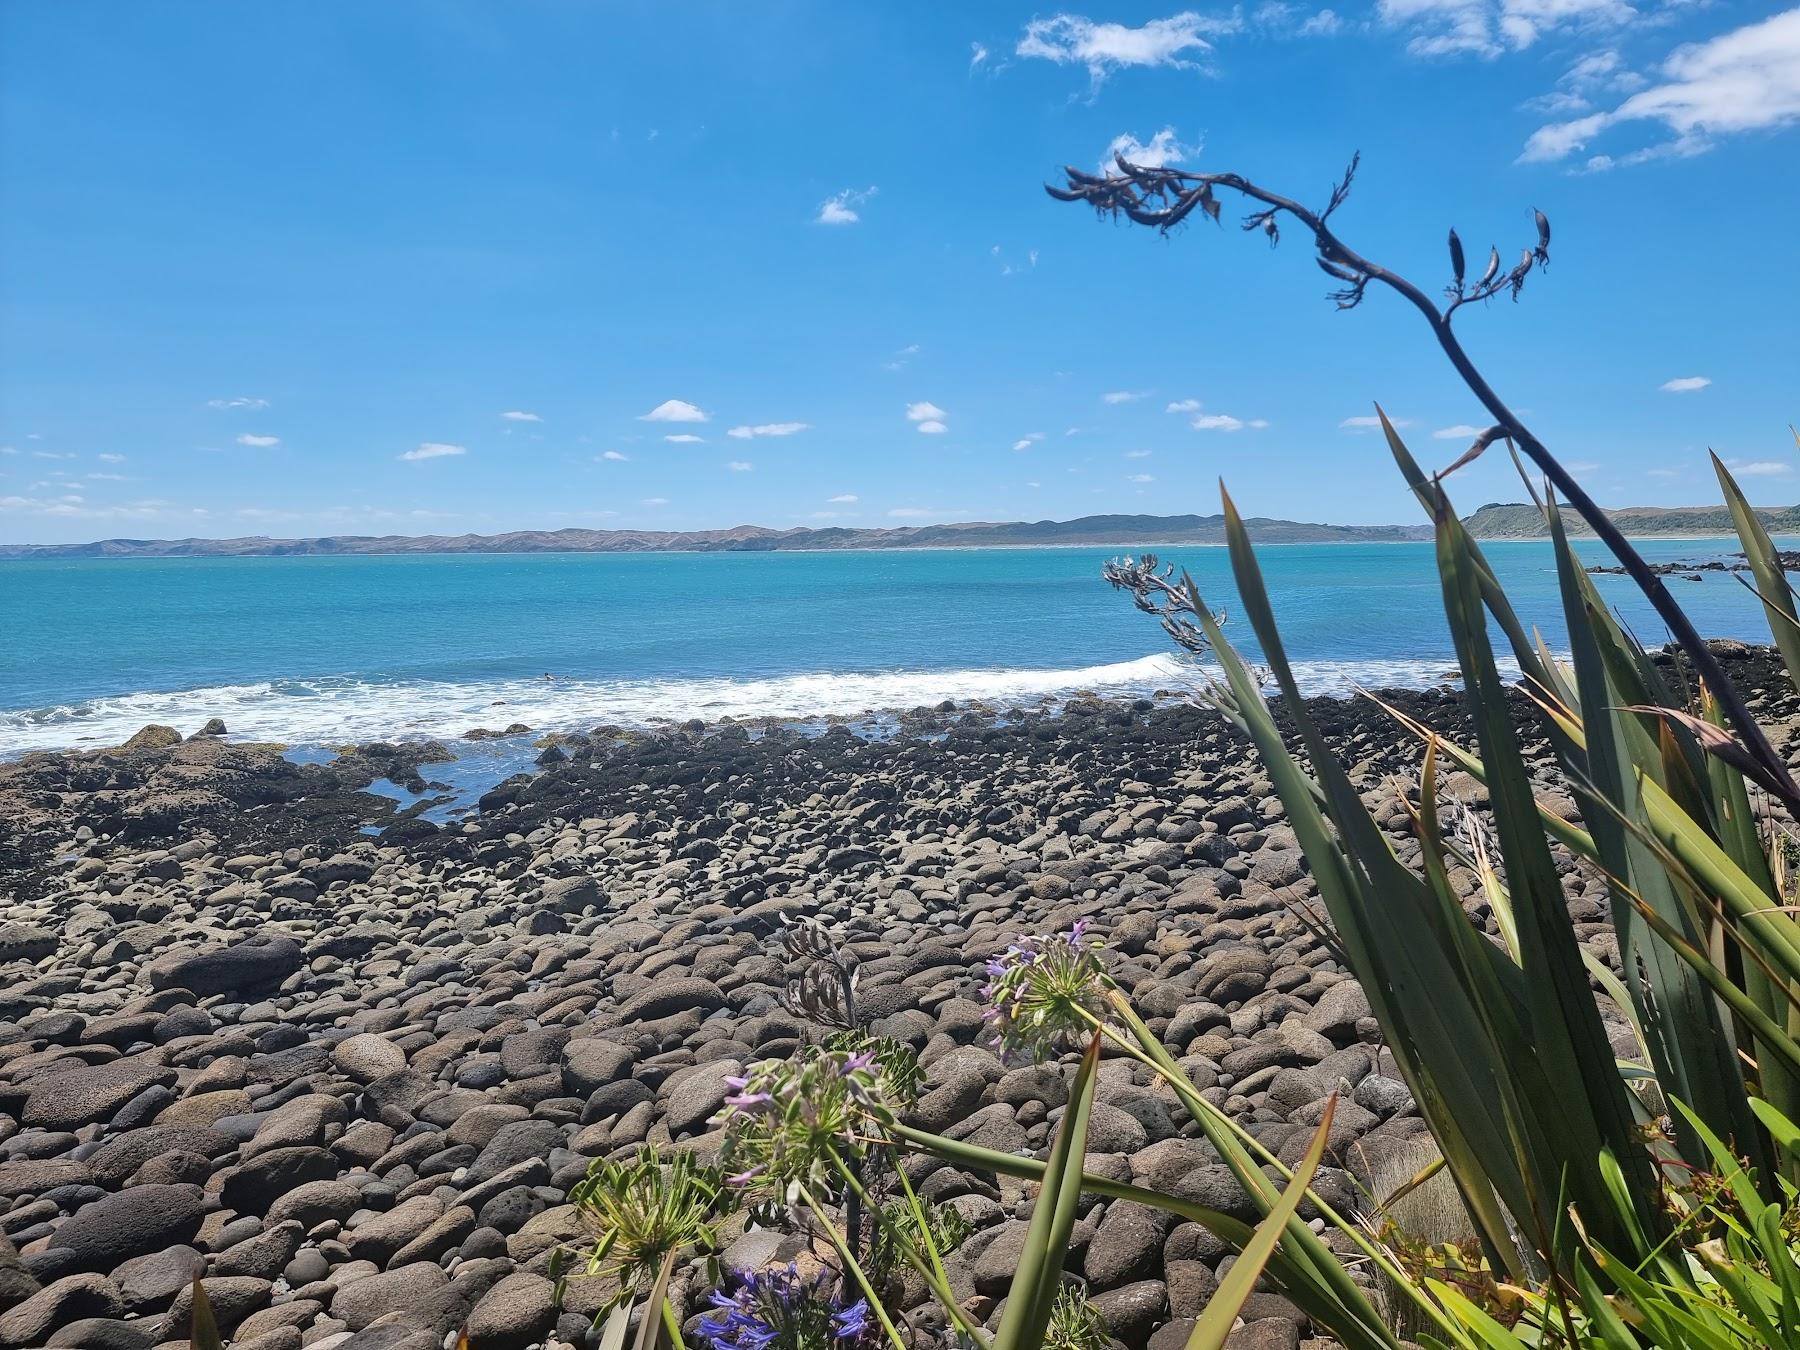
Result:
[
  {"x": 643, "y": 1208},
  {"x": 779, "y": 1309},
  {"x": 1043, "y": 992},
  {"x": 786, "y": 1117}
]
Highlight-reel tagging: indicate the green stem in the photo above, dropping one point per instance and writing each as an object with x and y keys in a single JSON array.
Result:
[
  {"x": 933, "y": 1274},
  {"x": 1204, "y": 1111},
  {"x": 672, "y": 1325},
  {"x": 853, "y": 1266}
]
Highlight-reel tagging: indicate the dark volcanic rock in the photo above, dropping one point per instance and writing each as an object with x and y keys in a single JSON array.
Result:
[
  {"x": 257, "y": 964},
  {"x": 134, "y": 1222}
]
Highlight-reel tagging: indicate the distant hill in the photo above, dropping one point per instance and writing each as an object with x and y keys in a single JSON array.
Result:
[
  {"x": 1497, "y": 520},
  {"x": 1092, "y": 531},
  {"x": 1521, "y": 520}
]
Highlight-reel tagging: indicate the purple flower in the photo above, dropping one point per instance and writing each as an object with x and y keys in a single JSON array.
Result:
[{"x": 777, "y": 1309}]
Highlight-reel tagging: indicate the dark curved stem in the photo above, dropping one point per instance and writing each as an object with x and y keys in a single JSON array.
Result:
[{"x": 1129, "y": 191}]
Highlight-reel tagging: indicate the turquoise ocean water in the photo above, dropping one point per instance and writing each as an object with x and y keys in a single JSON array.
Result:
[{"x": 323, "y": 650}]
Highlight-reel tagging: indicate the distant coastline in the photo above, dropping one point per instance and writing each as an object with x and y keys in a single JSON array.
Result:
[{"x": 1495, "y": 521}]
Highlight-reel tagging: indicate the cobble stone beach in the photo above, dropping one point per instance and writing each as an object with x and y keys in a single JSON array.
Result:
[{"x": 349, "y": 1077}]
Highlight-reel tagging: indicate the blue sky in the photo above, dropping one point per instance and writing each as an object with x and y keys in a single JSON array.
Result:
[{"x": 435, "y": 267}]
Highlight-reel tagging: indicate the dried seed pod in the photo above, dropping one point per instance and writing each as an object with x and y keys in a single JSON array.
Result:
[
  {"x": 1493, "y": 267},
  {"x": 1542, "y": 251},
  {"x": 1457, "y": 268},
  {"x": 1332, "y": 269}
]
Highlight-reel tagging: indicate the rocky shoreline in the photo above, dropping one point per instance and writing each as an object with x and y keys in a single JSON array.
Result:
[{"x": 349, "y": 1077}]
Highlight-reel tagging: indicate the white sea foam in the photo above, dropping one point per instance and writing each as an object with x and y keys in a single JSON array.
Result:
[{"x": 339, "y": 710}]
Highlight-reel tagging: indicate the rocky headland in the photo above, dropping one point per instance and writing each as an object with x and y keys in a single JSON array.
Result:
[{"x": 349, "y": 1077}]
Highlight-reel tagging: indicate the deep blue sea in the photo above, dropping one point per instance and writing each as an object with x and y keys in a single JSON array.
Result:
[{"x": 328, "y": 650}]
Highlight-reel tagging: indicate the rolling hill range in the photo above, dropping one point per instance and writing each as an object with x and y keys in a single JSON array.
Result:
[{"x": 1497, "y": 520}]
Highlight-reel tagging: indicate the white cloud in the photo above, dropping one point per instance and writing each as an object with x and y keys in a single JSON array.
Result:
[
  {"x": 1028, "y": 440},
  {"x": 1371, "y": 423},
  {"x": 70, "y": 454},
  {"x": 75, "y": 506},
  {"x": 740, "y": 466},
  {"x": 1489, "y": 28},
  {"x": 109, "y": 458},
  {"x": 673, "y": 410},
  {"x": 1326, "y": 23},
  {"x": 901, "y": 357},
  {"x": 1663, "y": 473},
  {"x": 1225, "y": 422},
  {"x": 258, "y": 442},
  {"x": 1140, "y": 478},
  {"x": 1122, "y": 396},
  {"x": 252, "y": 404},
  {"x": 1163, "y": 148},
  {"x": 977, "y": 54},
  {"x": 614, "y": 456},
  {"x": 1745, "y": 80},
  {"x": 655, "y": 501},
  {"x": 106, "y": 477},
  {"x": 516, "y": 416},
  {"x": 1759, "y": 468},
  {"x": 434, "y": 450},
  {"x": 1686, "y": 384},
  {"x": 13, "y": 450},
  {"x": 767, "y": 429},
  {"x": 1138, "y": 454},
  {"x": 840, "y": 208},
  {"x": 1462, "y": 431},
  {"x": 1185, "y": 405},
  {"x": 843, "y": 499},
  {"x": 928, "y": 417},
  {"x": 1070, "y": 39},
  {"x": 685, "y": 438}
]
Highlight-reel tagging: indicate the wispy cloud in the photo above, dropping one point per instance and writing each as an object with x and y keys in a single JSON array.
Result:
[
  {"x": 1184, "y": 405},
  {"x": 768, "y": 429},
  {"x": 654, "y": 501},
  {"x": 516, "y": 416},
  {"x": 250, "y": 404},
  {"x": 1489, "y": 28},
  {"x": 685, "y": 438},
  {"x": 1225, "y": 422},
  {"x": 1745, "y": 80},
  {"x": 673, "y": 410},
  {"x": 434, "y": 450},
  {"x": 1105, "y": 48},
  {"x": 258, "y": 442},
  {"x": 1138, "y": 454},
  {"x": 1139, "y": 478},
  {"x": 1122, "y": 396},
  {"x": 977, "y": 55},
  {"x": 740, "y": 466},
  {"x": 1685, "y": 384},
  {"x": 900, "y": 358},
  {"x": 613, "y": 457},
  {"x": 841, "y": 207},
  {"x": 1462, "y": 431},
  {"x": 1759, "y": 468},
  {"x": 1371, "y": 423},
  {"x": 1028, "y": 440},
  {"x": 109, "y": 458},
  {"x": 843, "y": 499}
]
